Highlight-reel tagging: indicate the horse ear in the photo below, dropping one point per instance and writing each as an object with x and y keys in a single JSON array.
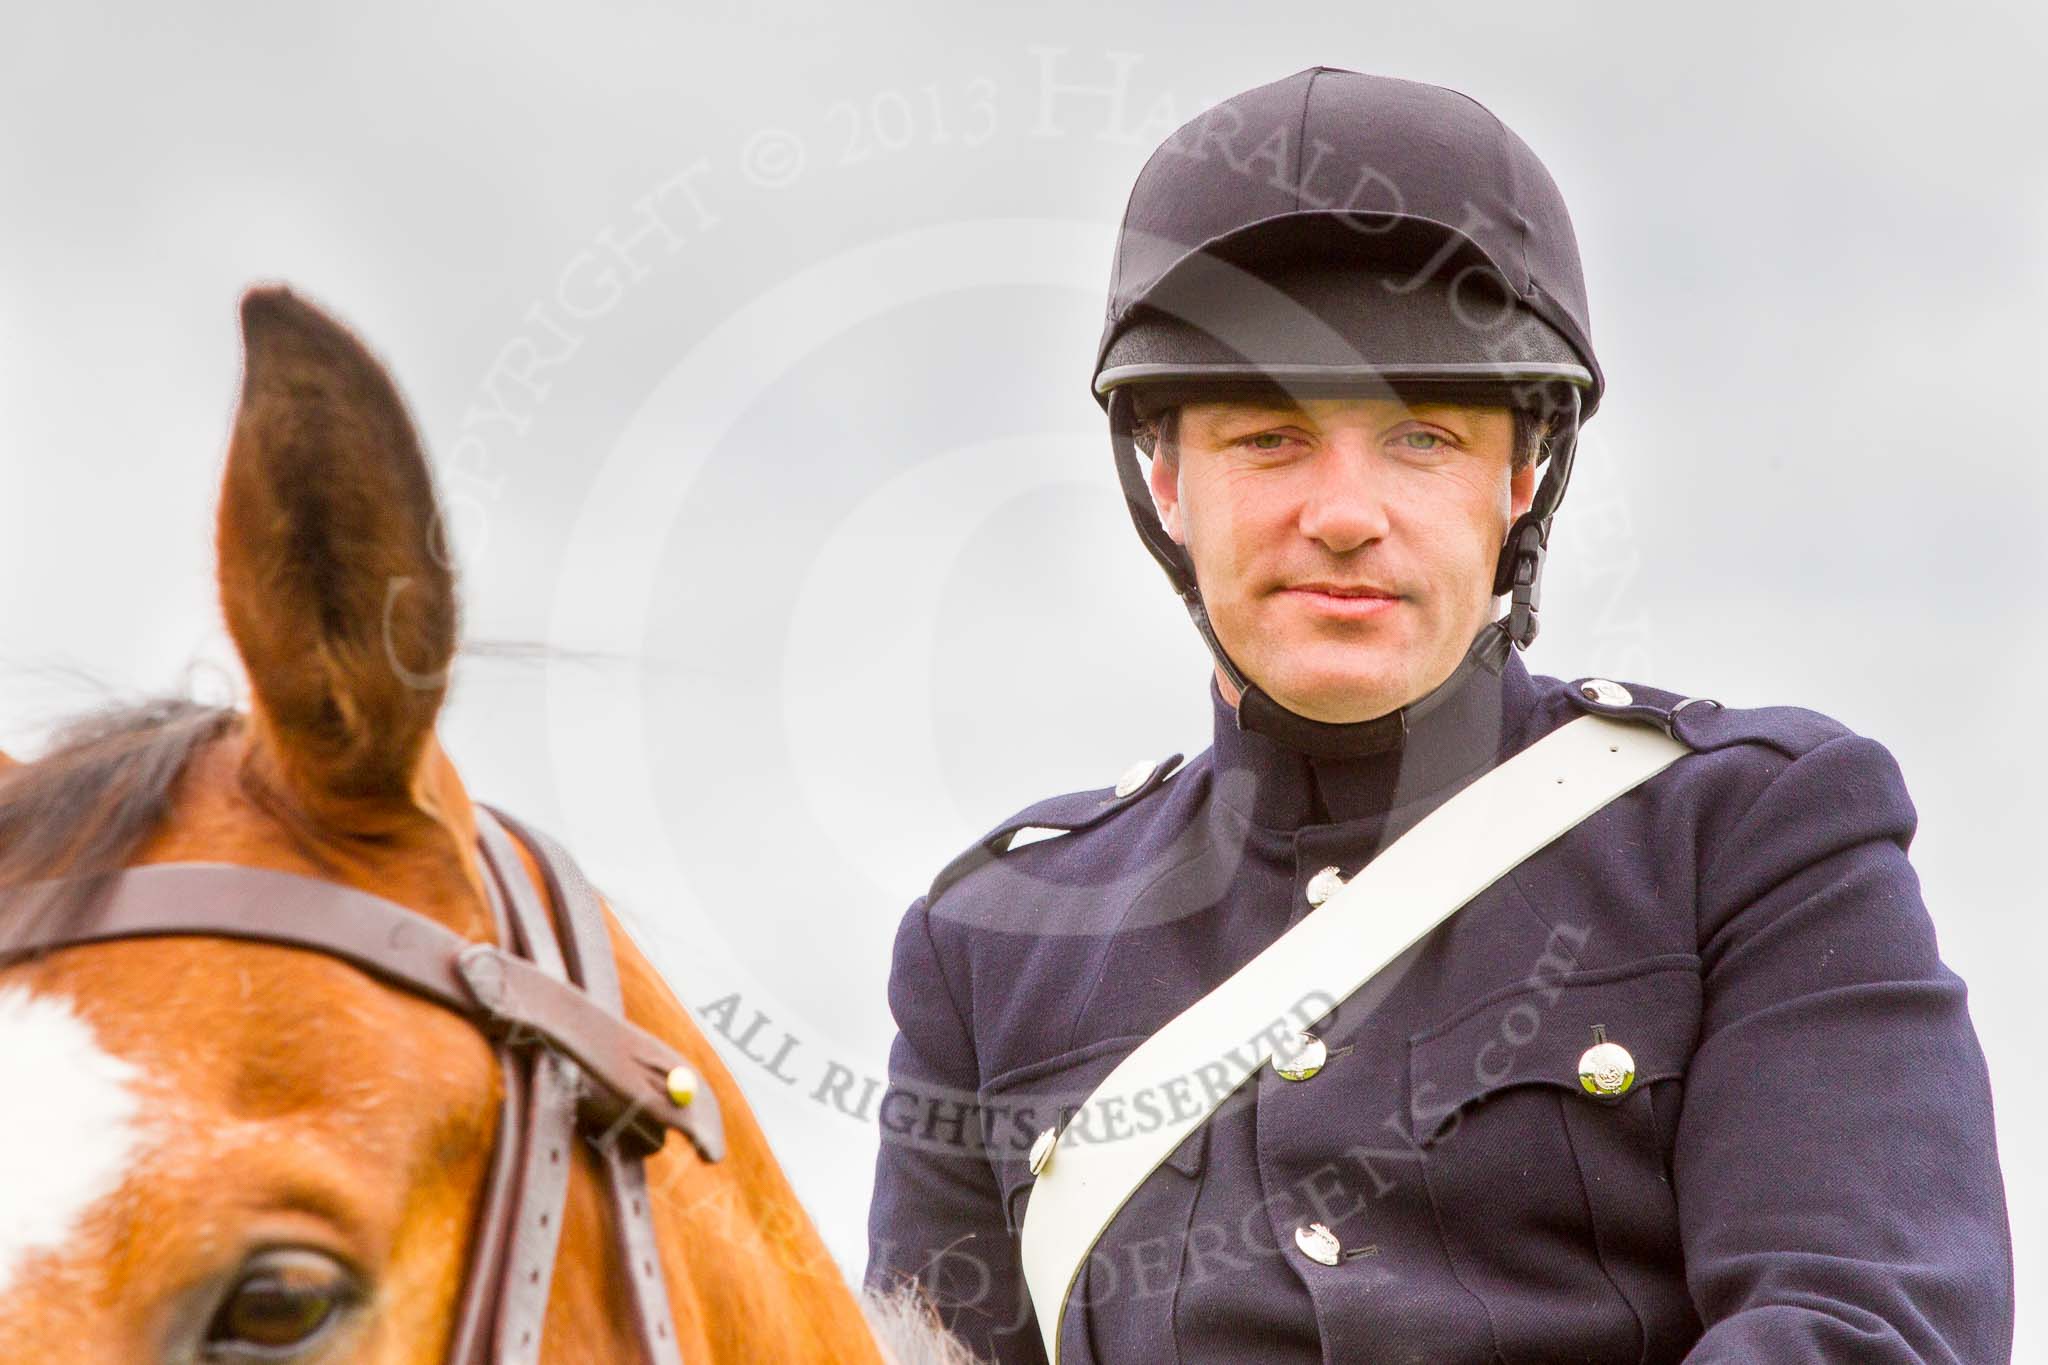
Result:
[{"x": 334, "y": 574}]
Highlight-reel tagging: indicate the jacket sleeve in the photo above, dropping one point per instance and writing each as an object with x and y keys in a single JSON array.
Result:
[
  {"x": 1835, "y": 1165},
  {"x": 936, "y": 1216}
]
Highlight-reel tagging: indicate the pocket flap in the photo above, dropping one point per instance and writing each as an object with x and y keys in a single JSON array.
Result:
[
  {"x": 1022, "y": 1102},
  {"x": 1535, "y": 1033}
]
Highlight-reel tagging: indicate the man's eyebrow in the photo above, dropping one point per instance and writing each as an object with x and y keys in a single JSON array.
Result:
[
  {"x": 1471, "y": 411},
  {"x": 1449, "y": 415},
  {"x": 1238, "y": 412}
]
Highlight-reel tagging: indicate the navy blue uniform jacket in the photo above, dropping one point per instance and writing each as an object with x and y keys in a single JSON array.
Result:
[{"x": 1804, "y": 1169}]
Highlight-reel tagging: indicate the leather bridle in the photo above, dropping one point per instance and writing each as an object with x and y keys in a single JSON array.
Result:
[{"x": 552, "y": 1009}]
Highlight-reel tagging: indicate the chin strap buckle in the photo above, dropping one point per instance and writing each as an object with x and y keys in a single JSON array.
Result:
[{"x": 1521, "y": 572}]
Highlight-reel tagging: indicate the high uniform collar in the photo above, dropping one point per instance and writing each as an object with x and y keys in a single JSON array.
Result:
[{"x": 1480, "y": 723}]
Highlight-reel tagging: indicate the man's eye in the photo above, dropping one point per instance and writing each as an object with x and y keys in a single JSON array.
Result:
[
  {"x": 1421, "y": 440},
  {"x": 1266, "y": 440}
]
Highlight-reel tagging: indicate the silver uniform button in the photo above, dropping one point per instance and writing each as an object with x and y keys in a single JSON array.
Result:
[
  {"x": 1605, "y": 692},
  {"x": 1324, "y": 885},
  {"x": 1319, "y": 1244},
  {"x": 1041, "y": 1150},
  {"x": 1134, "y": 777},
  {"x": 1606, "y": 1069},
  {"x": 1303, "y": 1058}
]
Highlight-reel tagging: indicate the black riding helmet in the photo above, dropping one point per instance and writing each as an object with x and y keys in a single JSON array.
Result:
[{"x": 1340, "y": 233}]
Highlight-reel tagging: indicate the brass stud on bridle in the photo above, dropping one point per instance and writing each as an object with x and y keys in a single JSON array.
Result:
[{"x": 682, "y": 1085}]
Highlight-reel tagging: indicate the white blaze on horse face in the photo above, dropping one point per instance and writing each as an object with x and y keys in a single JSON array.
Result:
[{"x": 71, "y": 1129}]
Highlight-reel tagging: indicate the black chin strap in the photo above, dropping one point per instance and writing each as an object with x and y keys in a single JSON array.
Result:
[
  {"x": 1180, "y": 570},
  {"x": 1520, "y": 570}
]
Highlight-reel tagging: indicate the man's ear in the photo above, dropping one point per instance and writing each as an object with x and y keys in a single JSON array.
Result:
[
  {"x": 1521, "y": 490},
  {"x": 1164, "y": 477}
]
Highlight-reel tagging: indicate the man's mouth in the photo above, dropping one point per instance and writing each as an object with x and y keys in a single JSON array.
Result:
[
  {"x": 1342, "y": 589},
  {"x": 1349, "y": 600}
]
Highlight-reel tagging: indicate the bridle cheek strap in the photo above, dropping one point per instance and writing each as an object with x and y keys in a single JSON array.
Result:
[
  {"x": 571, "y": 1062},
  {"x": 620, "y": 1133}
]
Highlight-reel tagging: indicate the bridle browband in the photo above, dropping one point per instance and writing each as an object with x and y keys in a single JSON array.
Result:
[{"x": 552, "y": 1008}]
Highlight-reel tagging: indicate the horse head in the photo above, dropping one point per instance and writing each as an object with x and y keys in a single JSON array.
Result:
[{"x": 230, "y": 1151}]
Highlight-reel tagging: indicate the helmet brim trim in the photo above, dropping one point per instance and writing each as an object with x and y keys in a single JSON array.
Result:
[{"x": 1348, "y": 376}]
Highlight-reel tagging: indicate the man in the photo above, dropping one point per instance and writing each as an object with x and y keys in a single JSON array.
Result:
[{"x": 1688, "y": 1081}]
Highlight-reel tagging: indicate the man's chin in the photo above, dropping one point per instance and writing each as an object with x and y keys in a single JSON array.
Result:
[{"x": 1339, "y": 696}]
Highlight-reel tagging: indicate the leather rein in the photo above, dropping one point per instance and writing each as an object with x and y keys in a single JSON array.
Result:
[{"x": 552, "y": 1009}]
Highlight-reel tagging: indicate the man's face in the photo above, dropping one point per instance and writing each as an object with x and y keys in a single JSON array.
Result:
[{"x": 1345, "y": 547}]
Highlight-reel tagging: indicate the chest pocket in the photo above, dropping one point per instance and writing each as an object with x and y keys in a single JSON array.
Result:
[
  {"x": 1556, "y": 1204},
  {"x": 1121, "y": 1308}
]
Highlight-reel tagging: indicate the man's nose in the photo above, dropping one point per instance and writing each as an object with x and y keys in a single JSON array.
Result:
[{"x": 1344, "y": 503}]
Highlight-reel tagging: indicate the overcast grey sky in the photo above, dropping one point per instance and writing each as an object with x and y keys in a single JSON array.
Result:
[{"x": 752, "y": 343}]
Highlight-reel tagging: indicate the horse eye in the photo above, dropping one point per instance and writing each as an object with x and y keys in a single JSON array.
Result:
[{"x": 282, "y": 1302}]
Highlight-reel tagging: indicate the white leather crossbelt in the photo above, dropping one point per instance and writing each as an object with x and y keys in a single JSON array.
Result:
[{"x": 1415, "y": 883}]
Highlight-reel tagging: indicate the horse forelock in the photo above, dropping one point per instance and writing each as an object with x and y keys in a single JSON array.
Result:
[{"x": 82, "y": 810}]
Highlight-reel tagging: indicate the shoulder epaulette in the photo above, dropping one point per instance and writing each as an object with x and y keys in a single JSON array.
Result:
[
  {"x": 1057, "y": 815},
  {"x": 1701, "y": 723}
]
